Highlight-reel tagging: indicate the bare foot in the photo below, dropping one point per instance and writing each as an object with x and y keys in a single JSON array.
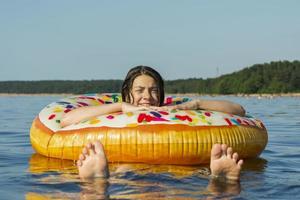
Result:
[
  {"x": 92, "y": 162},
  {"x": 224, "y": 162}
]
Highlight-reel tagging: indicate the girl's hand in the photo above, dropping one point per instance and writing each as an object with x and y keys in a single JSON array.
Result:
[
  {"x": 191, "y": 105},
  {"x": 127, "y": 107}
]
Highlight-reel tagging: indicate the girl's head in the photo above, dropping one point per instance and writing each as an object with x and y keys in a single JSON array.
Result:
[{"x": 143, "y": 86}]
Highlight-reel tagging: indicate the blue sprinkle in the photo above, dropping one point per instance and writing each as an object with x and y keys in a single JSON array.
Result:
[
  {"x": 69, "y": 106},
  {"x": 155, "y": 114},
  {"x": 63, "y": 102},
  {"x": 235, "y": 121},
  {"x": 185, "y": 99}
]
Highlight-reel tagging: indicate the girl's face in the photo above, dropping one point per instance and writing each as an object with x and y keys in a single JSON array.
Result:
[{"x": 144, "y": 91}]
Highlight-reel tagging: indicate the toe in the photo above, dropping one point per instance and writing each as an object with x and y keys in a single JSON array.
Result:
[
  {"x": 79, "y": 163},
  {"x": 89, "y": 145},
  {"x": 99, "y": 148},
  {"x": 81, "y": 157},
  {"x": 216, "y": 151},
  {"x": 229, "y": 152},
  {"x": 224, "y": 149},
  {"x": 92, "y": 150},
  {"x": 240, "y": 163},
  {"x": 85, "y": 151},
  {"x": 235, "y": 157}
]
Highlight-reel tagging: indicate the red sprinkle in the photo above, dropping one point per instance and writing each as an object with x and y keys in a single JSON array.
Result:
[
  {"x": 228, "y": 121},
  {"x": 148, "y": 118},
  {"x": 51, "y": 116},
  {"x": 101, "y": 101},
  {"x": 82, "y": 103},
  {"x": 184, "y": 117},
  {"x": 169, "y": 100},
  {"x": 163, "y": 112},
  {"x": 90, "y": 98},
  {"x": 141, "y": 117},
  {"x": 189, "y": 119},
  {"x": 67, "y": 110}
]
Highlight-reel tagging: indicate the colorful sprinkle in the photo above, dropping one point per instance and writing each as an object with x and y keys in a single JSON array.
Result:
[
  {"x": 129, "y": 114},
  {"x": 94, "y": 121},
  {"x": 101, "y": 101},
  {"x": 208, "y": 114},
  {"x": 69, "y": 106},
  {"x": 57, "y": 109},
  {"x": 110, "y": 117},
  {"x": 190, "y": 112},
  {"x": 169, "y": 100},
  {"x": 141, "y": 117},
  {"x": 132, "y": 125},
  {"x": 228, "y": 121},
  {"x": 82, "y": 103},
  {"x": 163, "y": 112},
  {"x": 51, "y": 116},
  {"x": 67, "y": 110},
  {"x": 184, "y": 117},
  {"x": 63, "y": 102},
  {"x": 156, "y": 114}
]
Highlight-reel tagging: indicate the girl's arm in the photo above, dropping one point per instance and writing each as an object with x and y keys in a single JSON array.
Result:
[
  {"x": 213, "y": 105},
  {"x": 88, "y": 112}
]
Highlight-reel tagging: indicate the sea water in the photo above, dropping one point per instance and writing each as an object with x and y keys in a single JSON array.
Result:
[{"x": 274, "y": 175}]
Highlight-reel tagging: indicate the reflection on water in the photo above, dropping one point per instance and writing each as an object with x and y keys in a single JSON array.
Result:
[{"x": 130, "y": 181}]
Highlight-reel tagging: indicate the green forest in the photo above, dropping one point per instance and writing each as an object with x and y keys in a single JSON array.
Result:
[{"x": 273, "y": 77}]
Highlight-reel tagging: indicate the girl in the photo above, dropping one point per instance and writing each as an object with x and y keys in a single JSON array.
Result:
[{"x": 143, "y": 89}]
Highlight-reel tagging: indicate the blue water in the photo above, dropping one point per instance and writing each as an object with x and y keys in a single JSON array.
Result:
[{"x": 25, "y": 175}]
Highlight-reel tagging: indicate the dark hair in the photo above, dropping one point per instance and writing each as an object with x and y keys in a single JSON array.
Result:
[{"x": 142, "y": 70}]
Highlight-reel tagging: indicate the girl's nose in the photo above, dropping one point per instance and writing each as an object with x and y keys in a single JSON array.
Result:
[{"x": 146, "y": 94}]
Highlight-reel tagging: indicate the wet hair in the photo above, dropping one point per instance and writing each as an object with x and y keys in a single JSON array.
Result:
[{"x": 137, "y": 71}]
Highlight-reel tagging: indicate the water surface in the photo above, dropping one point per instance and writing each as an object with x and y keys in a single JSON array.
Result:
[{"x": 26, "y": 175}]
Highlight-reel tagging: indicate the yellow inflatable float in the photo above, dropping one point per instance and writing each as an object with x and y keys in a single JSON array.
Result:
[{"x": 157, "y": 137}]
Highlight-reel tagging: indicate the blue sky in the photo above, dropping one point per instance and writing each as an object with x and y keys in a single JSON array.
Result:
[{"x": 85, "y": 40}]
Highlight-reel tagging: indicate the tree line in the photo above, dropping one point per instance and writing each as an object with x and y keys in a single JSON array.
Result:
[{"x": 273, "y": 77}]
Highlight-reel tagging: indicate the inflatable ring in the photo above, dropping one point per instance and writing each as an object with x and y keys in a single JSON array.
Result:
[{"x": 158, "y": 137}]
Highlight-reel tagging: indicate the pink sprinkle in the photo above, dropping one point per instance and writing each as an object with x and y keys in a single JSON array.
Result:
[
  {"x": 110, "y": 117},
  {"x": 207, "y": 114}
]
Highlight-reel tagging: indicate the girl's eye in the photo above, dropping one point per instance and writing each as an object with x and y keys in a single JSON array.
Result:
[
  {"x": 138, "y": 91},
  {"x": 155, "y": 90}
]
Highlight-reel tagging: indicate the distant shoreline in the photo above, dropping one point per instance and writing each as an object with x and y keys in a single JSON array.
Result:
[{"x": 180, "y": 94}]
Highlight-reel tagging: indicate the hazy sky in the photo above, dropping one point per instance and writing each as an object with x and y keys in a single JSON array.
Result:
[{"x": 76, "y": 40}]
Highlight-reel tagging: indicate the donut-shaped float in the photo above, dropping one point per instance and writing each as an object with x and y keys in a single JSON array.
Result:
[{"x": 157, "y": 137}]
